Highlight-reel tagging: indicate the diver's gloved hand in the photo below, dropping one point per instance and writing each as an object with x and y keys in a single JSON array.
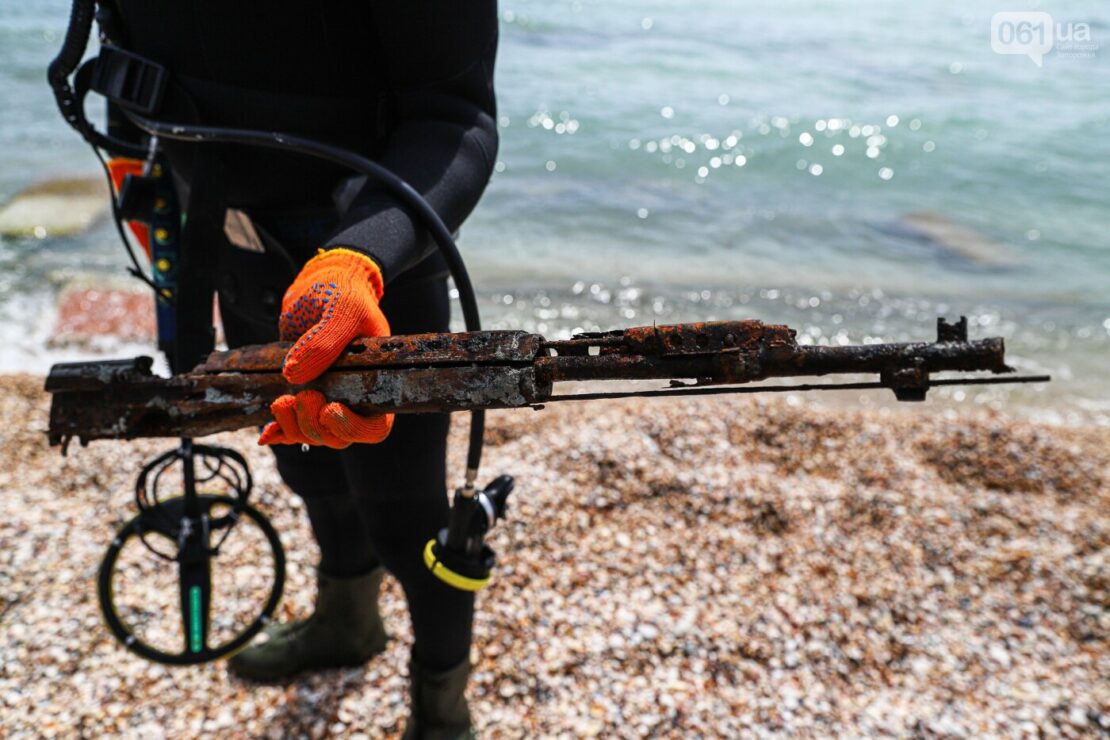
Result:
[
  {"x": 332, "y": 301},
  {"x": 309, "y": 418}
]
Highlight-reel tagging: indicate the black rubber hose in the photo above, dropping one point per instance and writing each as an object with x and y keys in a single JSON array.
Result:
[
  {"x": 73, "y": 49},
  {"x": 71, "y": 102},
  {"x": 401, "y": 189}
]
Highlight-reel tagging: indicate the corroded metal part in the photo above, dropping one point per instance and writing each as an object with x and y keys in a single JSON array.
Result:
[
  {"x": 412, "y": 350},
  {"x": 708, "y": 338},
  {"x": 92, "y": 376},
  {"x": 980, "y": 354},
  {"x": 199, "y": 404},
  {"x": 700, "y": 338},
  {"x": 479, "y": 370}
]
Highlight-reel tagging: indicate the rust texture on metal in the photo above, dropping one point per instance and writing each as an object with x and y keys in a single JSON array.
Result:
[
  {"x": 412, "y": 350},
  {"x": 499, "y": 369},
  {"x": 199, "y": 404}
]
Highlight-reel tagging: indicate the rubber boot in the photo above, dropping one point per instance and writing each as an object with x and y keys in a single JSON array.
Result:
[
  {"x": 345, "y": 630},
  {"x": 438, "y": 708}
]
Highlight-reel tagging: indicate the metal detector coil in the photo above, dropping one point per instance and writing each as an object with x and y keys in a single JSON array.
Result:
[{"x": 188, "y": 520}]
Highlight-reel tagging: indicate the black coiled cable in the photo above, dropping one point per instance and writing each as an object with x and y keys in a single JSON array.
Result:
[{"x": 73, "y": 49}]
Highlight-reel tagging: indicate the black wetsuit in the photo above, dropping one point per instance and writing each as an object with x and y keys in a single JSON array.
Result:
[{"x": 410, "y": 84}]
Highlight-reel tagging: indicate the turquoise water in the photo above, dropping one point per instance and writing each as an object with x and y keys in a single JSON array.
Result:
[{"x": 666, "y": 161}]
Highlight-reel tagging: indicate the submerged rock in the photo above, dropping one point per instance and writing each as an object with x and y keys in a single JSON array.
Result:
[
  {"x": 86, "y": 315},
  {"x": 61, "y": 207},
  {"x": 957, "y": 239}
]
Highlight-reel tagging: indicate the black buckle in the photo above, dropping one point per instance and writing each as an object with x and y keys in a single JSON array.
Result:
[
  {"x": 137, "y": 196},
  {"x": 129, "y": 80}
]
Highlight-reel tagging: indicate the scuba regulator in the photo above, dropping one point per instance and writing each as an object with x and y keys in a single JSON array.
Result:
[
  {"x": 197, "y": 525},
  {"x": 459, "y": 556}
]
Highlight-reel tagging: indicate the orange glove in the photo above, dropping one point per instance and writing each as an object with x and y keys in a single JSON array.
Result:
[{"x": 332, "y": 301}]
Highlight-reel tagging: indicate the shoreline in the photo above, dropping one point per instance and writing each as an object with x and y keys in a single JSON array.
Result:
[
  {"x": 85, "y": 317},
  {"x": 700, "y": 566}
]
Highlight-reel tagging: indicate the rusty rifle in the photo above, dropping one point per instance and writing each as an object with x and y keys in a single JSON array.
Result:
[{"x": 122, "y": 399}]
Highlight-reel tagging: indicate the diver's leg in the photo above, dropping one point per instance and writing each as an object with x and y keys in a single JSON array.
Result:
[
  {"x": 317, "y": 476},
  {"x": 400, "y": 484},
  {"x": 250, "y": 286},
  {"x": 404, "y": 503},
  {"x": 345, "y": 627}
]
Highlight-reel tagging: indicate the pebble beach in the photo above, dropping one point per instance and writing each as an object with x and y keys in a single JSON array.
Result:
[
  {"x": 795, "y": 565},
  {"x": 676, "y": 568}
]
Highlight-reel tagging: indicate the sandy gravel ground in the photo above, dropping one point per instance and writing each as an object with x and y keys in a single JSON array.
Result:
[{"x": 700, "y": 568}]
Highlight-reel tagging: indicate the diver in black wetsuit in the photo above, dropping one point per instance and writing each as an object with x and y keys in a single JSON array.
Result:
[{"x": 409, "y": 84}]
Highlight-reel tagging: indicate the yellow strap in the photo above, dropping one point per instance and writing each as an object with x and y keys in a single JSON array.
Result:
[{"x": 448, "y": 576}]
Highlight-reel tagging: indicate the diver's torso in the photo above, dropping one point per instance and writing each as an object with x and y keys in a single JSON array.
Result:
[{"x": 310, "y": 68}]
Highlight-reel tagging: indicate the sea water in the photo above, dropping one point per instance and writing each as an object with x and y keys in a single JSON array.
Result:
[{"x": 852, "y": 169}]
